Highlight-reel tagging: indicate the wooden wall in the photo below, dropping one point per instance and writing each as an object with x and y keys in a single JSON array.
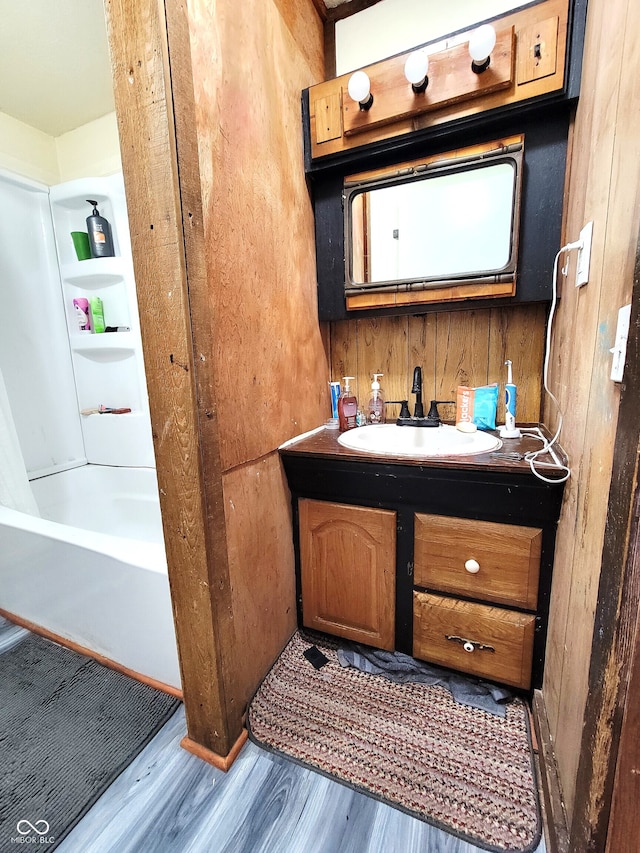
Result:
[
  {"x": 250, "y": 62},
  {"x": 208, "y": 105},
  {"x": 603, "y": 187},
  {"x": 453, "y": 348}
]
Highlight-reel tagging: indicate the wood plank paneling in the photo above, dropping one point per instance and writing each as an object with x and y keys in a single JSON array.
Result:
[
  {"x": 518, "y": 334},
  {"x": 453, "y": 348},
  {"x": 462, "y": 354}
]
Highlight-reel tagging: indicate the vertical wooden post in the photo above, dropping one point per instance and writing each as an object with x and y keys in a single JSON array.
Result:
[{"x": 192, "y": 511}]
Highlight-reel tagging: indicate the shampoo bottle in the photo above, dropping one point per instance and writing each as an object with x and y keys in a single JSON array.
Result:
[
  {"x": 347, "y": 407},
  {"x": 375, "y": 410},
  {"x": 97, "y": 314},
  {"x": 100, "y": 239}
]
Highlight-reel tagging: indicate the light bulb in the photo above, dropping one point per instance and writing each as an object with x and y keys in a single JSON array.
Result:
[
  {"x": 481, "y": 43},
  {"x": 360, "y": 89},
  {"x": 415, "y": 70}
]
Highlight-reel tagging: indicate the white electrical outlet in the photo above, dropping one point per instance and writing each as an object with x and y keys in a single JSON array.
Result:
[
  {"x": 619, "y": 350},
  {"x": 584, "y": 255}
]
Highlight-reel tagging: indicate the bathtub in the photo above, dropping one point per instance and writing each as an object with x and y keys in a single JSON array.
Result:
[{"x": 93, "y": 569}]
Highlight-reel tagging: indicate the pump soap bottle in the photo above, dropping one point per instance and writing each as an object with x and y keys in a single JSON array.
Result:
[
  {"x": 347, "y": 406},
  {"x": 100, "y": 239},
  {"x": 375, "y": 410}
]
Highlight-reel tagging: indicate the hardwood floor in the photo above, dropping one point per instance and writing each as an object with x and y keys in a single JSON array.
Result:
[{"x": 168, "y": 801}]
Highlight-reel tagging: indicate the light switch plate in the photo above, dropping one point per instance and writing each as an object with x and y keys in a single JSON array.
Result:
[
  {"x": 584, "y": 255},
  {"x": 619, "y": 349}
]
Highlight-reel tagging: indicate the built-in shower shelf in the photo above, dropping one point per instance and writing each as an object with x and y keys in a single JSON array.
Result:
[
  {"x": 73, "y": 195},
  {"x": 105, "y": 342},
  {"x": 94, "y": 272},
  {"x": 109, "y": 366}
]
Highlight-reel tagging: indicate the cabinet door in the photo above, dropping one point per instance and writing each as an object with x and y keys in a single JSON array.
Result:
[{"x": 347, "y": 559}]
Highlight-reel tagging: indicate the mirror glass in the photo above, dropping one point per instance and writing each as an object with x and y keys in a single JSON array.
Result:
[{"x": 430, "y": 223}]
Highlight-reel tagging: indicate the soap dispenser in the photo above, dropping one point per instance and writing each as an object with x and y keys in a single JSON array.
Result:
[
  {"x": 100, "y": 239},
  {"x": 347, "y": 406},
  {"x": 375, "y": 409}
]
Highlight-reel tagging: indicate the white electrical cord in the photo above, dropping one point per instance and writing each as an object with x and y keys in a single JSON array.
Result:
[{"x": 547, "y": 447}]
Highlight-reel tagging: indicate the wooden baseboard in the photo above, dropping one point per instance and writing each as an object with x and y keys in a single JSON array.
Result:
[
  {"x": 222, "y": 762},
  {"x": 557, "y": 833},
  {"x": 101, "y": 659}
]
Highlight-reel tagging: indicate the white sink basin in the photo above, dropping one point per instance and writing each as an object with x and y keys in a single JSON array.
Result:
[{"x": 419, "y": 442}]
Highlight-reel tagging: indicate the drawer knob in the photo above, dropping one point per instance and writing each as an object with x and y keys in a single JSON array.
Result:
[
  {"x": 472, "y": 566},
  {"x": 468, "y": 646}
]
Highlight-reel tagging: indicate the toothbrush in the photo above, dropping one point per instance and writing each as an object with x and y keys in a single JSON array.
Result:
[{"x": 509, "y": 430}]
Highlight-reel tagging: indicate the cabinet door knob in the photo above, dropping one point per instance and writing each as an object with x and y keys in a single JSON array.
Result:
[{"x": 472, "y": 566}]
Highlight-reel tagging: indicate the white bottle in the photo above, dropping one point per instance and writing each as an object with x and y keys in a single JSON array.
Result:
[{"x": 375, "y": 409}]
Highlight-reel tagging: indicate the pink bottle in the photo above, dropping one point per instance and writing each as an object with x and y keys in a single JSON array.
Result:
[{"x": 83, "y": 315}]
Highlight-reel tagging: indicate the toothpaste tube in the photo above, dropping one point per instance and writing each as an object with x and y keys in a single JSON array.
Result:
[{"x": 335, "y": 393}]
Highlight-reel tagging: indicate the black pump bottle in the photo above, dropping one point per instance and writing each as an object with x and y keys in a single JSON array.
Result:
[{"x": 100, "y": 239}]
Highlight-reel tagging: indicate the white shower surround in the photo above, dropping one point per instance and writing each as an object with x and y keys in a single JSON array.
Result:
[{"x": 92, "y": 569}]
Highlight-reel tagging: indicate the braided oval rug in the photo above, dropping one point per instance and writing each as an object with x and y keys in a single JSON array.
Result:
[{"x": 412, "y": 746}]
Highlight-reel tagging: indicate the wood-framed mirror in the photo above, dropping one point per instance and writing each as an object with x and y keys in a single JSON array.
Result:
[{"x": 446, "y": 221}]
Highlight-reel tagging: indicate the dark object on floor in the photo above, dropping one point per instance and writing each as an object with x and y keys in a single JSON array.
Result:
[
  {"x": 403, "y": 668},
  {"x": 315, "y": 657},
  {"x": 411, "y": 745},
  {"x": 68, "y": 727}
]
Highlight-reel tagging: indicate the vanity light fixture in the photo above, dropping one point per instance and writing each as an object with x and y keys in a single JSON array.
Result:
[
  {"x": 481, "y": 43},
  {"x": 415, "y": 70},
  {"x": 360, "y": 89}
]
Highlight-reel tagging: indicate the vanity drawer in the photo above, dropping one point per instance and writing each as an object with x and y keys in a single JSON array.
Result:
[
  {"x": 479, "y": 559},
  {"x": 508, "y": 636}
]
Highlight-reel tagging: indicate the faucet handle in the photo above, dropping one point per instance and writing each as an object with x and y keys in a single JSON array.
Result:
[
  {"x": 433, "y": 414},
  {"x": 404, "y": 407}
]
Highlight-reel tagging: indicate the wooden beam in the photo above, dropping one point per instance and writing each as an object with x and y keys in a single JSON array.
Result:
[
  {"x": 320, "y": 8},
  {"x": 329, "y": 50},
  {"x": 166, "y": 266},
  {"x": 352, "y": 7}
]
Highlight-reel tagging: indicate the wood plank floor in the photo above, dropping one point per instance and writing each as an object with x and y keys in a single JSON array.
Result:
[{"x": 168, "y": 801}]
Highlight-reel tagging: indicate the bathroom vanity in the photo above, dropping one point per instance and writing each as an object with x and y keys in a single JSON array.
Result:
[{"x": 448, "y": 559}]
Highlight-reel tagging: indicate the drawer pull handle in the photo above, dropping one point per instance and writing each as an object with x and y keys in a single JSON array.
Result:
[
  {"x": 472, "y": 566},
  {"x": 470, "y": 645}
]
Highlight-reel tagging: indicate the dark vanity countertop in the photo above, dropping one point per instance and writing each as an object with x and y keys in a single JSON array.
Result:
[{"x": 324, "y": 444}]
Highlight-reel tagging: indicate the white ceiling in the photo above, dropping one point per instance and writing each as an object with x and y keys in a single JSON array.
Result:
[{"x": 54, "y": 63}]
